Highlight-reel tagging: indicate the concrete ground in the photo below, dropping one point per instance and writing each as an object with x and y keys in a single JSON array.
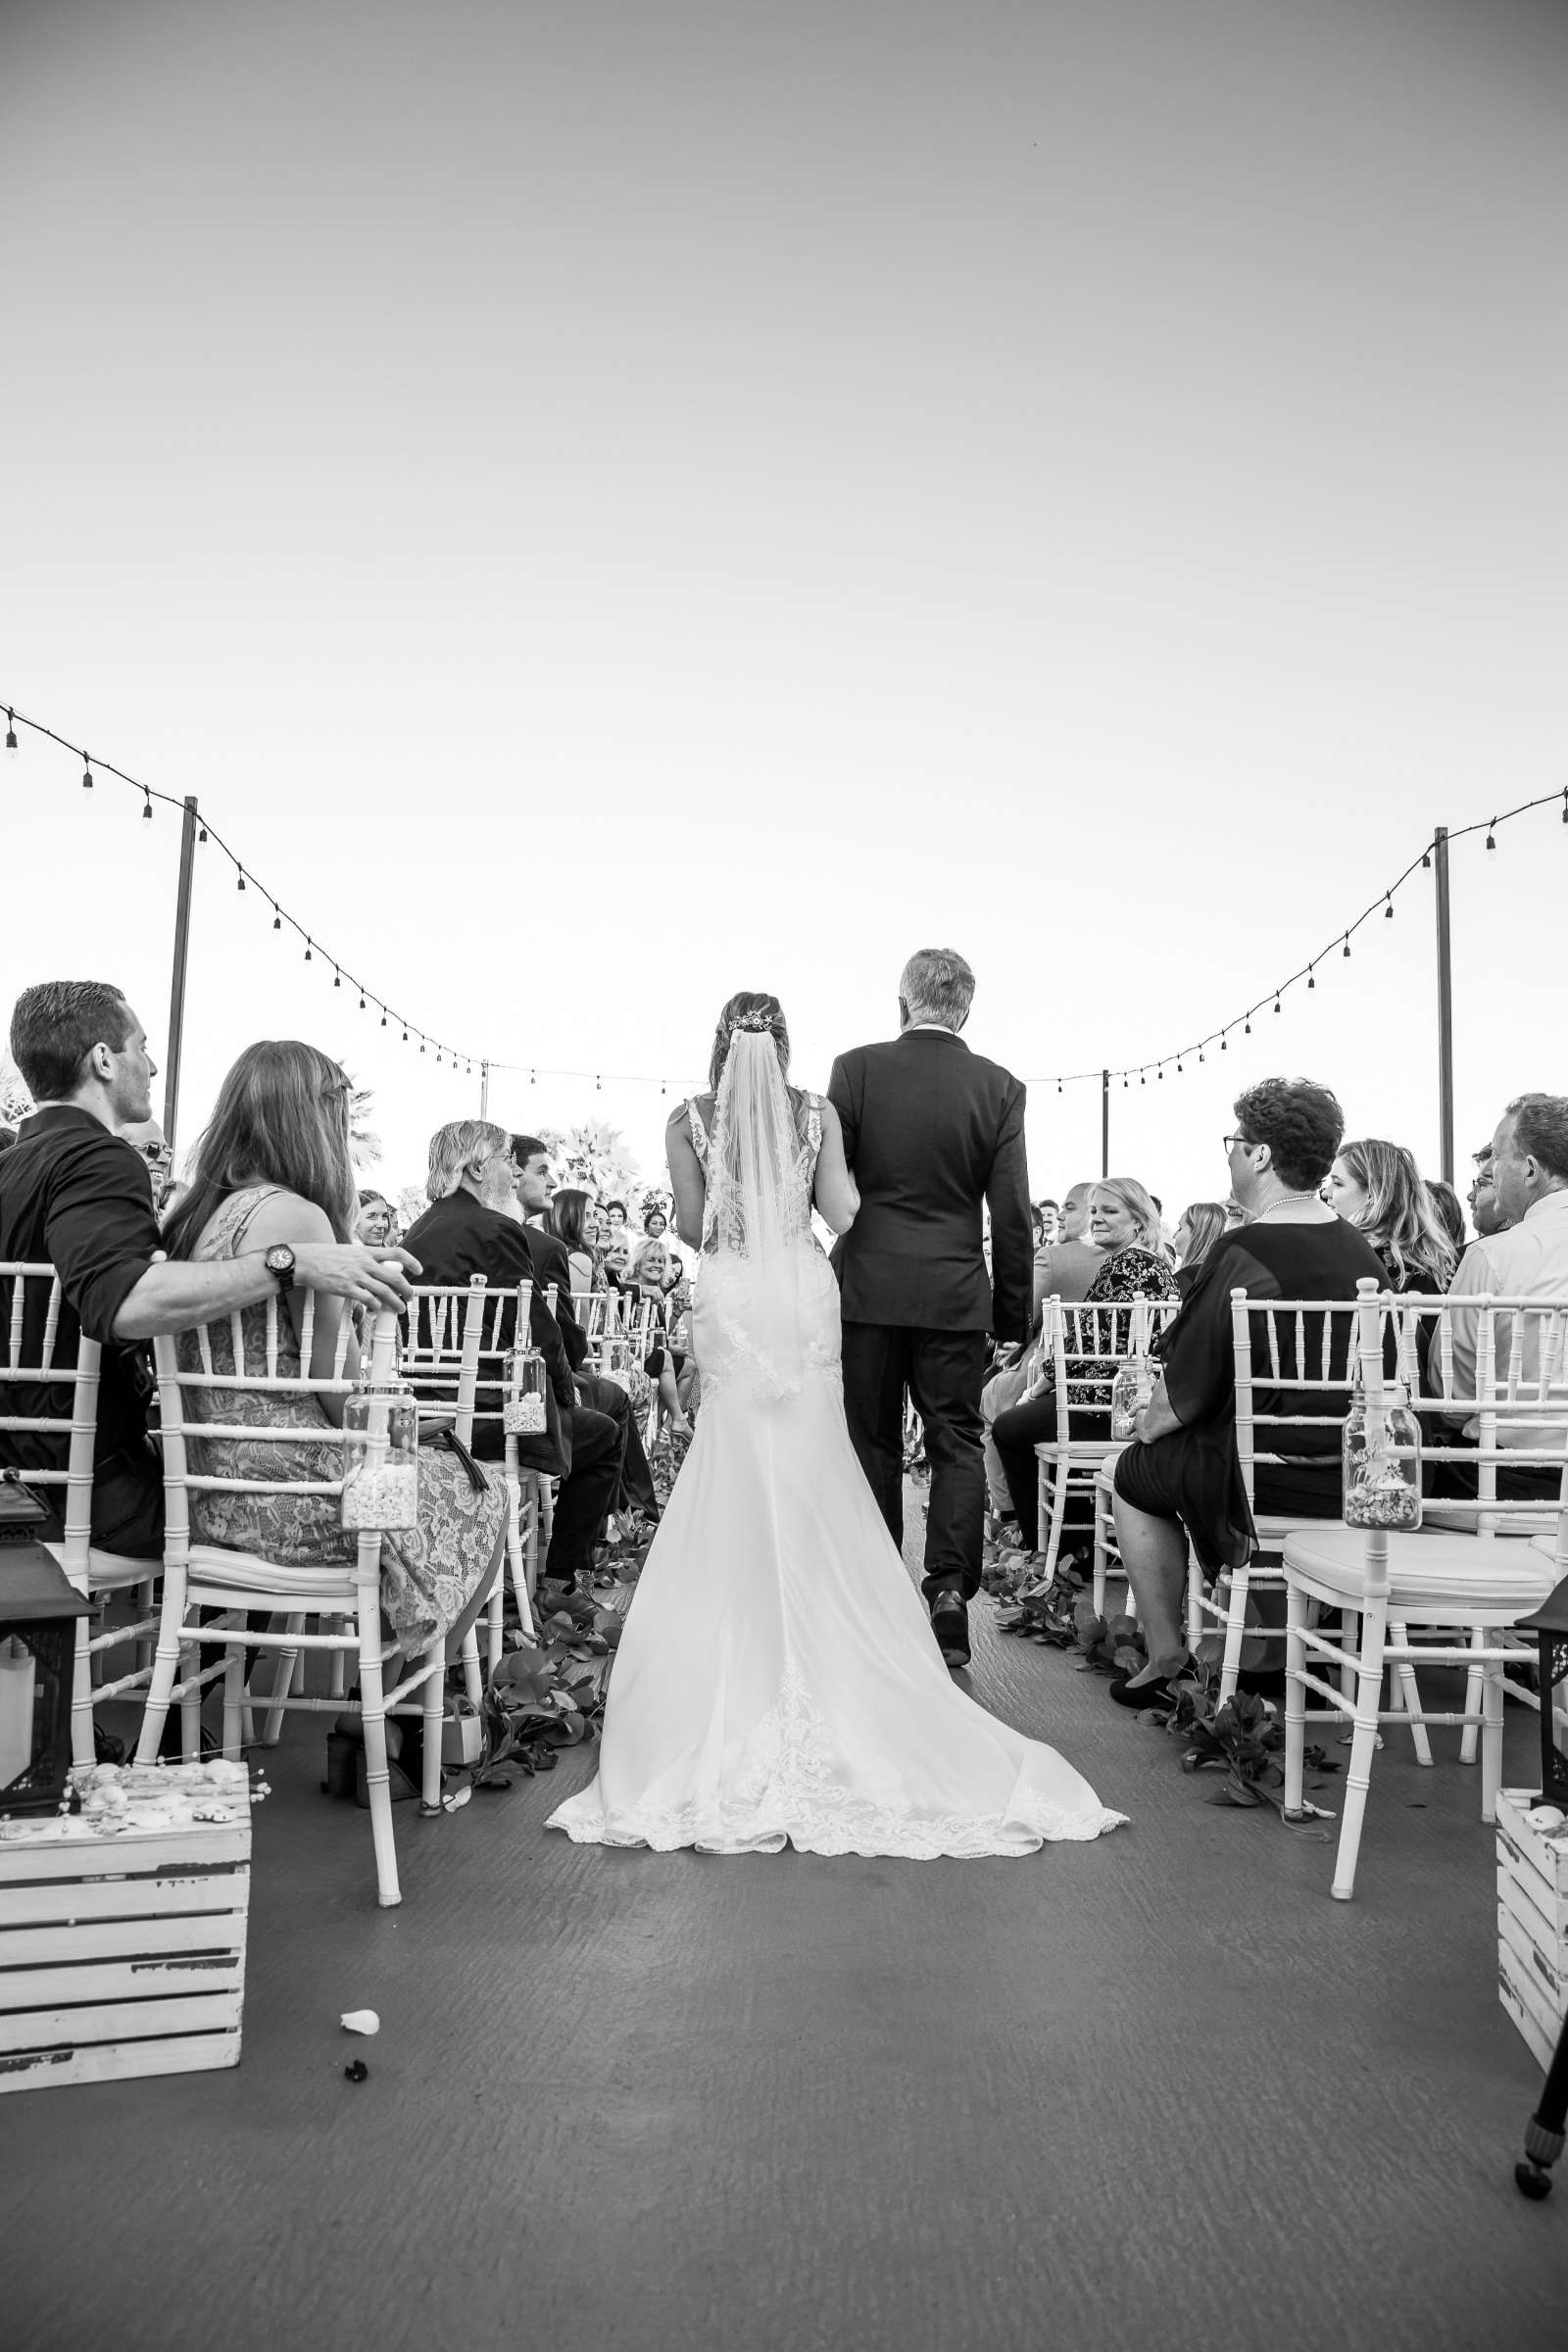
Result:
[{"x": 1158, "y": 2089}]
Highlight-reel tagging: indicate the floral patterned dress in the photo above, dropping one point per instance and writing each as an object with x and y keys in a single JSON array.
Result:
[{"x": 428, "y": 1575}]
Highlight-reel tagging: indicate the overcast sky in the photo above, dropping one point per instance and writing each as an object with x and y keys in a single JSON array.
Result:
[{"x": 606, "y": 504}]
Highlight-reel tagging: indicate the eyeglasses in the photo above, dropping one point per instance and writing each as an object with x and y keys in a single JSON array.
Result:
[{"x": 1245, "y": 1142}]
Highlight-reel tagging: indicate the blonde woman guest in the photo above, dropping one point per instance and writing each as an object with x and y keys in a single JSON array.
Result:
[
  {"x": 1377, "y": 1187},
  {"x": 1197, "y": 1229},
  {"x": 670, "y": 1368},
  {"x": 273, "y": 1172},
  {"x": 1124, "y": 1226}
]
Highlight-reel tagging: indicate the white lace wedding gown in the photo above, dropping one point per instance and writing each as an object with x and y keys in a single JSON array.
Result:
[{"x": 777, "y": 1677}]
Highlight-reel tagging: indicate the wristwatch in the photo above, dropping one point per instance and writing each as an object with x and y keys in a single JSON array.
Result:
[{"x": 280, "y": 1261}]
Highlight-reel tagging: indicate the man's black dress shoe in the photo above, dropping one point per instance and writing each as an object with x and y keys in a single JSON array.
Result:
[{"x": 950, "y": 1621}]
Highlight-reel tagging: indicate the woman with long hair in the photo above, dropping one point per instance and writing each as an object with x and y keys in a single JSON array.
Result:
[
  {"x": 1197, "y": 1229},
  {"x": 1377, "y": 1187},
  {"x": 667, "y": 1366},
  {"x": 274, "y": 1167},
  {"x": 568, "y": 1222},
  {"x": 1123, "y": 1222}
]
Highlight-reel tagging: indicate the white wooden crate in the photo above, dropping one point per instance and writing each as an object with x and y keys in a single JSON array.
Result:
[
  {"x": 122, "y": 1955},
  {"x": 1532, "y": 1923}
]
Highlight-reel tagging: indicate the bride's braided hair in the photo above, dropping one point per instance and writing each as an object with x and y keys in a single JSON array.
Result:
[{"x": 749, "y": 1008}]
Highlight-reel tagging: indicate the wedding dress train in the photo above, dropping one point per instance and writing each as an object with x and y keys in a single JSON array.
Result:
[{"x": 777, "y": 1680}]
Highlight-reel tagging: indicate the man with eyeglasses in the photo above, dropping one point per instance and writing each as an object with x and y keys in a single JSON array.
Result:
[
  {"x": 1180, "y": 1481},
  {"x": 148, "y": 1141}
]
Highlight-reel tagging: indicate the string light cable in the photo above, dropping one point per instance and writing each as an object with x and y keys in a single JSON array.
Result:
[{"x": 1383, "y": 903}]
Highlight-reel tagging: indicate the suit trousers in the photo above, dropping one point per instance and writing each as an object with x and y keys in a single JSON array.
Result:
[
  {"x": 585, "y": 1493},
  {"x": 635, "y": 1481},
  {"x": 944, "y": 1372}
]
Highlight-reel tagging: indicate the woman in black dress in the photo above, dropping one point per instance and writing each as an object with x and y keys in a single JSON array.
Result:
[{"x": 1182, "y": 1478}]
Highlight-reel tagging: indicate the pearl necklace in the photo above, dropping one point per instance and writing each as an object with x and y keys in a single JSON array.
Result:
[{"x": 1283, "y": 1201}]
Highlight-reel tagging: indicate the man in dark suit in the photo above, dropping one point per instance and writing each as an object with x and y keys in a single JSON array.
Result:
[
  {"x": 467, "y": 1231},
  {"x": 933, "y": 1135},
  {"x": 530, "y": 1167}
]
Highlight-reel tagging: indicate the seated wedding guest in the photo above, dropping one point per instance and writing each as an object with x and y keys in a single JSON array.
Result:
[
  {"x": 553, "y": 1268},
  {"x": 617, "y": 1264},
  {"x": 72, "y": 1195},
  {"x": 274, "y": 1174},
  {"x": 1064, "y": 1269},
  {"x": 1377, "y": 1187},
  {"x": 8, "y": 1136},
  {"x": 671, "y": 1369},
  {"x": 373, "y": 1220},
  {"x": 147, "y": 1139},
  {"x": 1124, "y": 1227},
  {"x": 655, "y": 1223},
  {"x": 1450, "y": 1212},
  {"x": 466, "y": 1230},
  {"x": 569, "y": 1212},
  {"x": 1049, "y": 1214},
  {"x": 1525, "y": 1257},
  {"x": 1486, "y": 1211},
  {"x": 1197, "y": 1229},
  {"x": 614, "y": 1215},
  {"x": 1180, "y": 1478}
]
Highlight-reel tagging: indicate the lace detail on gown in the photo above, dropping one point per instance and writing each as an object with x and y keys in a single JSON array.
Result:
[{"x": 788, "y": 1789}]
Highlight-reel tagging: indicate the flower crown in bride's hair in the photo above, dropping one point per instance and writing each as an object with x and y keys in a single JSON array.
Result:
[{"x": 754, "y": 1014}]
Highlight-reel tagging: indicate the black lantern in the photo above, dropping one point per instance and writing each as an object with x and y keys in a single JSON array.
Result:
[
  {"x": 38, "y": 1613},
  {"x": 1550, "y": 1625}
]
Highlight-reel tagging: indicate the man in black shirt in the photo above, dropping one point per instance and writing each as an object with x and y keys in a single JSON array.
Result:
[{"x": 74, "y": 1197}]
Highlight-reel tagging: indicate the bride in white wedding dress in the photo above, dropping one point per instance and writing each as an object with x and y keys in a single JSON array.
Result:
[{"x": 777, "y": 1679}]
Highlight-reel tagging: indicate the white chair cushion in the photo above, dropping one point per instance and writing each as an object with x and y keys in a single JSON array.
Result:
[
  {"x": 1546, "y": 1546},
  {"x": 108, "y": 1570},
  {"x": 247, "y": 1572},
  {"x": 1431, "y": 1577}
]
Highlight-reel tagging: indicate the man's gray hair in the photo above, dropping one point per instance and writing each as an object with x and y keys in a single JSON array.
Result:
[
  {"x": 1541, "y": 1128},
  {"x": 936, "y": 985},
  {"x": 451, "y": 1147}
]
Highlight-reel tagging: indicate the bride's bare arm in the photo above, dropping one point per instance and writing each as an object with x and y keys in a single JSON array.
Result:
[
  {"x": 686, "y": 1179},
  {"x": 836, "y": 1192}
]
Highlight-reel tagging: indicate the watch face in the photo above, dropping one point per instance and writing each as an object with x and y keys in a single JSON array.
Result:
[{"x": 280, "y": 1258}]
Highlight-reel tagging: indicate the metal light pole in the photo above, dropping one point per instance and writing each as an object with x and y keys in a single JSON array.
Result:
[
  {"x": 1104, "y": 1122},
  {"x": 177, "y": 994},
  {"x": 1440, "y": 859}
]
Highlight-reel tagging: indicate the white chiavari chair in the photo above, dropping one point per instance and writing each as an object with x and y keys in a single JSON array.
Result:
[
  {"x": 457, "y": 1358},
  {"x": 344, "y": 1598},
  {"x": 1446, "y": 1577},
  {"x": 94, "y": 1572},
  {"x": 1087, "y": 1346}
]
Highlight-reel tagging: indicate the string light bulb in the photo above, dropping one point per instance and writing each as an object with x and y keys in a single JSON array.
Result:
[
  {"x": 277, "y": 919},
  {"x": 1249, "y": 1028},
  {"x": 362, "y": 1002},
  {"x": 1224, "y": 1049},
  {"x": 146, "y": 806},
  {"x": 1491, "y": 838},
  {"x": 11, "y": 730},
  {"x": 1565, "y": 804},
  {"x": 307, "y": 950},
  {"x": 86, "y": 773},
  {"x": 240, "y": 884},
  {"x": 202, "y": 835},
  {"x": 383, "y": 1021},
  {"x": 1426, "y": 861},
  {"x": 1346, "y": 947},
  {"x": 1142, "y": 1080},
  {"x": 337, "y": 979},
  {"x": 1388, "y": 905},
  {"x": 1276, "y": 1003}
]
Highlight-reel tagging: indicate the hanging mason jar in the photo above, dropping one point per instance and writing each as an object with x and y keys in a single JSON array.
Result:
[
  {"x": 524, "y": 1415},
  {"x": 1381, "y": 1453},
  {"x": 381, "y": 1457},
  {"x": 1129, "y": 1393}
]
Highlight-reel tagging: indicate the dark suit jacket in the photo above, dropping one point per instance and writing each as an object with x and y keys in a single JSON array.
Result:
[
  {"x": 551, "y": 1265},
  {"x": 931, "y": 1131},
  {"x": 460, "y": 1237}
]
